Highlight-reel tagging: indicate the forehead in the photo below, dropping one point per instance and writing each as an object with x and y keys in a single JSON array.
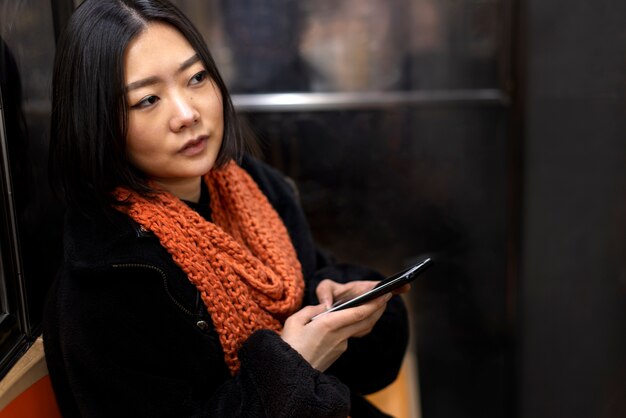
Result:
[{"x": 158, "y": 48}]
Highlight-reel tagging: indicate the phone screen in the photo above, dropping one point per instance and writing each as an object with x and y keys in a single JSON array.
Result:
[{"x": 387, "y": 285}]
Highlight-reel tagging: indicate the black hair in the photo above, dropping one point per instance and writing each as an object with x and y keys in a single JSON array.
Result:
[{"x": 89, "y": 105}]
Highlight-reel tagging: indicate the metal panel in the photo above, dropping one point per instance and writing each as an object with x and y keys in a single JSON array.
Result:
[{"x": 306, "y": 102}]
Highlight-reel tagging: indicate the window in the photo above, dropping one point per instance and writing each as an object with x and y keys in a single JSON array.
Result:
[{"x": 29, "y": 242}]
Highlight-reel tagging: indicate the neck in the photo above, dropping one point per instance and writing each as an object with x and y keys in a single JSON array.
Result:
[{"x": 185, "y": 189}]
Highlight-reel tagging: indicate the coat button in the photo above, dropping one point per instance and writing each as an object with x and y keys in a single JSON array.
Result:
[{"x": 202, "y": 325}]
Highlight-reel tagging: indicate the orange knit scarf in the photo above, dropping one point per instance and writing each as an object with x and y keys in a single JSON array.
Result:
[{"x": 243, "y": 263}]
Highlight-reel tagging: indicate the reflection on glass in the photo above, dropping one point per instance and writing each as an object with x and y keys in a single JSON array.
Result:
[
  {"x": 265, "y": 46},
  {"x": 353, "y": 45}
]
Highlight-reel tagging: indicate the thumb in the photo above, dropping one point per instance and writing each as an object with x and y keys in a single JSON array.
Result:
[{"x": 304, "y": 315}]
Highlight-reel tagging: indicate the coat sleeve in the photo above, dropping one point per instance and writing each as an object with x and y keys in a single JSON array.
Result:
[
  {"x": 371, "y": 362},
  {"x": 116, "y": 346}
]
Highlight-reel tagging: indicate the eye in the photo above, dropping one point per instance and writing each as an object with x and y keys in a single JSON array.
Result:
[
  {"x": 198, "y": 77},
  {"x": 146, "y": 102}
]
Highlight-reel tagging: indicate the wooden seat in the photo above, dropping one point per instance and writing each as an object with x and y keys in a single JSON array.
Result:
[{"x": 26, "y": 391}]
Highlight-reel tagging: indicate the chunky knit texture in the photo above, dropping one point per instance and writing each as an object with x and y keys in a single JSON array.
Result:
[{"x": 243, "y": 263}]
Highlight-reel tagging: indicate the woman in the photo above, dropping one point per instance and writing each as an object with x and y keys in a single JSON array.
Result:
[{"x": 190, "y": 275}]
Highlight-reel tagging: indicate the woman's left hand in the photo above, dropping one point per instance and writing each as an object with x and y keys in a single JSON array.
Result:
[{"x": 328, "y": 291}]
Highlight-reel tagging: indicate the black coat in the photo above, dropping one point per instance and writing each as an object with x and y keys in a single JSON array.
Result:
[{"x": 126, "y": 333}]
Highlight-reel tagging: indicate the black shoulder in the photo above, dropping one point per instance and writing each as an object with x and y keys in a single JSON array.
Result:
[
  {"x": 93, "y": 238},
  {"x": 274, "y": 184}
]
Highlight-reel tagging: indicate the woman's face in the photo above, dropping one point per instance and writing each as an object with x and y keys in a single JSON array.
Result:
[{"x": 175, "y": 119}]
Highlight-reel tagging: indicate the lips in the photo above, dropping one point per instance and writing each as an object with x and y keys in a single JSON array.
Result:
[{"x": 194, "y": 146}]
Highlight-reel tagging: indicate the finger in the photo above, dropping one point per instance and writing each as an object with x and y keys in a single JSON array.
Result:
[
  {"x": 348, "y": 317},
  {"x": 324, "y": 292},
  {"x": 364, "y": 327},
  {"x": 304, "y": 315},
  {"x": 404, "y": 289},
  {"x": 357, "y": 287}
]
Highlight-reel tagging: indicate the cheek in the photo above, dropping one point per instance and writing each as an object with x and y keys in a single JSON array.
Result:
[
  {"x": 215, "y": 105},
  {"x": 138, "y": 144}
]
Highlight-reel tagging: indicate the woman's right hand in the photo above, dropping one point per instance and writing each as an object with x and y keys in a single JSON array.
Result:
[{"x": 323, "y": 340}]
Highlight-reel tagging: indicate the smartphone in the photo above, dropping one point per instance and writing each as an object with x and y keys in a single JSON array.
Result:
[{"x": 387, "y": 285}]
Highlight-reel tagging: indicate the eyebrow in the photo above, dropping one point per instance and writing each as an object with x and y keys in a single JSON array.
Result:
[{"x": 153, "y": 80}]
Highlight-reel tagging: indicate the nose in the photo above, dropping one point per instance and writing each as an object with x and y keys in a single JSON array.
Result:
[{"x": 184, "y": 113}]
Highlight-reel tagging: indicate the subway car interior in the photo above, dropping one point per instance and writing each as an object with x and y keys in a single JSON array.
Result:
[{"x": 489, "y": 133}]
